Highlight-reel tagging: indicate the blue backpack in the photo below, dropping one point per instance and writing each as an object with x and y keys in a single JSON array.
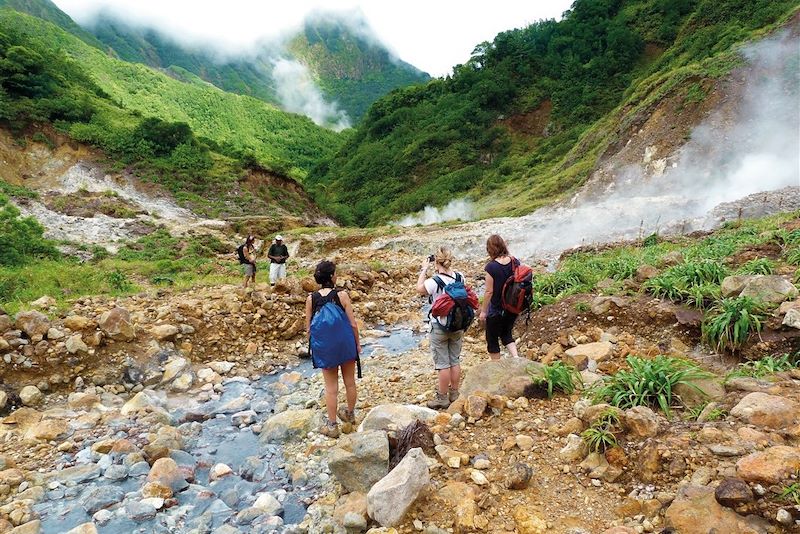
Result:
[
  {"x": 332, "y": 340},
  {"x": 457, "y": 303}
]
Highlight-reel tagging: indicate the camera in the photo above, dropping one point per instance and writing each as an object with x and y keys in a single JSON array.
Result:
[{"x": 431, "y": 258}]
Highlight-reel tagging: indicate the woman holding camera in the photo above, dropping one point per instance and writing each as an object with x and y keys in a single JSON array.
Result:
[{"x": 445, "y": 345}]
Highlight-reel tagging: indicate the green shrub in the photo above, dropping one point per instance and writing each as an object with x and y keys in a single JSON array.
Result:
[
  {"x": 600, "y": 436},
  {"x": 648, "y": 382},
  {"x": 793, "y": 256},
  {"x": 119, "y": 281},
  {"x": 791, "y": 493},
  {"x": 702, "y": 296},
  {"x": 558, "y": 377},
  {"x": 21, "y": 238},
  {"x": 729, "y": 323}
]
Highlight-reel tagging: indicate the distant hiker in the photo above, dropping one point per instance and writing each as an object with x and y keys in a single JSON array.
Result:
[
  {"x": 334, "y": 344},
  {"x": 247, "y": 259},
  {"x": 451, "y": 315},
  {"x": 499, "y": 321},
  {"x": 277, "y": 254}
]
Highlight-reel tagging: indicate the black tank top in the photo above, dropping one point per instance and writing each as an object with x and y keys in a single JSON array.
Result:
[{"x": 318, "y": 301}]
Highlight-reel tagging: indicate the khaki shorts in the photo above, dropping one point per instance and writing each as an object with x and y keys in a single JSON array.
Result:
[
  {"x": 445, "y": 347},
  {"x": 249, "y": 269}
]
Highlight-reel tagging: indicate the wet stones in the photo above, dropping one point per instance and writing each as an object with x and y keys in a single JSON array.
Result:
[
  {"x": 288, "y": 425},
  {"x": 102, "y": 497}
]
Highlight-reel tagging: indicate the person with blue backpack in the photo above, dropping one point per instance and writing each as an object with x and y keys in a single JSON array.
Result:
[
  {"x": 451, "y": 314},
  {"x": 334, "y": 345}
]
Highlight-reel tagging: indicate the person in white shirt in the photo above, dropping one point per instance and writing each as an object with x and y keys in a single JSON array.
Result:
[{"x": 445, "y": 345}]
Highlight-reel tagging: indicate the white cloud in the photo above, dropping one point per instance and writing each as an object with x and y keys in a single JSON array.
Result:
[
  {"x": 433, "y": 36},
  {"x": 299, "y": 94}
]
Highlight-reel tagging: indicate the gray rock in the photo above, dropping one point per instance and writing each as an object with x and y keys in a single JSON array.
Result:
[
  {"x": 116, "y": 472},
  {"x": 792, "y": 318},
  {"x": 360, "y": 460},
  {"x": 769, "y": 289},
  {"x": 102, "y": 497},
  {"x": 76, "y": 344},
  {"x": 395, "y": 416},
  {"x": 733, "y": 285},
  {"x": 31, "y": 396},
  {"x": 268, "y": 504},
  {"x": 140, "y": 511},
  {"x": 288, "y": 425},
  {"x": 389, "y": 499},
  {"x": 507, "y": 377},
  {"x": 139, "y": 469}
]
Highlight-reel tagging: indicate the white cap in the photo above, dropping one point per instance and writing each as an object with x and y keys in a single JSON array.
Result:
[{"x": 278, "y": 237}]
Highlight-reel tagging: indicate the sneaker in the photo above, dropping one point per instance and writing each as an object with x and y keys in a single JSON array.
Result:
[
  {"x": 441, "y": 402},
  {"x": 452, "y": 395},
  {"x": 330, "y": 429},
  {"x": 345, "y": 415}
]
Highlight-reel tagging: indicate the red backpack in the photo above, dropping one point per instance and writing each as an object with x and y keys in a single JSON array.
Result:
[{"x": 518, "y": 288}]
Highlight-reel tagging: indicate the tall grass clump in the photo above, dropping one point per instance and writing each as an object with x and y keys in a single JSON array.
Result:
[
  {"x": 647, "y": 382},
  {"x": 557, "y": 376},
  {"x": 729, "y": 323},
  {"x": 757, "y": 266},
  {"x": 768, "y": 365}
]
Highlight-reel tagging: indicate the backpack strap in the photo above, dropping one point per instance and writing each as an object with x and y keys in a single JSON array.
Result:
[{"x": 439, "y": 282}]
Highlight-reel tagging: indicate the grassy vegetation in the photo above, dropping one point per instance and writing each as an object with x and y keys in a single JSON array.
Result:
[
  {"x": 587, "y": 78},
  {"x": 791, "y": 493},
  {"x": 558, "y": 376},
  {"x": 601, "y": 435},
  {"x": 647, "y": 382},
  {"x": 730, "y": 322},
  {"x": 768, "y": 365},
  {"x": 190, "y": 137}
]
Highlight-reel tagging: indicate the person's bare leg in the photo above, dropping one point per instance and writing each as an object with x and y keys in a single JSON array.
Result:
[
  {"x": 512, "y": 349},
  {"x": 443, "y": 380},
  {"x": 331, "y": 377},
  {"x": 350, "y": 391},
  {"x": 455, "y": 377},
  {"x": 494, "y": 355}
]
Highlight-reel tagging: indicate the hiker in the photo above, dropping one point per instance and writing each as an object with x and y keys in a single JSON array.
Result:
[
  {"x": 277, "y": 254},
  {"x": 247, "y": 258},
  {"x": 446, "y": 337},
  {"x": 499, "y": 322},
  {"x": 334, "y": 345}
]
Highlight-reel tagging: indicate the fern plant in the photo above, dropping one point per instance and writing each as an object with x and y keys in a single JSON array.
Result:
[{"x": 557, "y": 376}]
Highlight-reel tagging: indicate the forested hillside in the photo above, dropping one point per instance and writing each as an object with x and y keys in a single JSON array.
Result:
[
  {"x": 351, "y": 69},
  {"x": 191, "y": 137},
  {"x": 515, "y": 118}
]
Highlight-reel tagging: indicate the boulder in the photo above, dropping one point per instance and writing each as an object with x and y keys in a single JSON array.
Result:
[
  {"x": 500, "y": 377},
  {"x": 396, "y": 416},
  {"x": 733, "y": 492},
  {"x": 574, "y": 450},
  {"x": 75, "y": 344},
  {"x": 102, "y": 497},
  {"x": 792, "y": 318},
  {"x": 165, "y": 332},
  {"x": 116, "y": 324},
  {"x": 48, "y": 430},
  {"x": 288, "y": 425},
  {"x": 641, "y": 422},
  {"x": 389, "y": 499},
  {"x": 147, "y": 399},
  {"x": 76, "y": 323},
  {"x": 5, "y": 322},
  {"x": 360, "y": 460},
  {"x": 769, "y": 289},
  {"x": 771, "y": 466},
  {"x": 30, "y": 396},
  {"x": 644, "y": 273},
  {"x": 352, "y": 503},
  {"x": 268, "y": 504},
  {"x": 696, "y": 511},
  {"x": 764, "y": 410},
  {"x": 700, "y": 391},
  {"x": 733, "y": 285},
  {"x": 166, "y": 473},
  {"x": 606, "y": 305},
  {"x": 35, "y": 324},
  {"x": 598, "y": 351},
  {"x": 44, "y": 302}
]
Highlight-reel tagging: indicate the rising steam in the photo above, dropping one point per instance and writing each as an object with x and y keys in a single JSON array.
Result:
[
  {"x": 461, "y": 209},
  {"x": 299, "y": 94}
]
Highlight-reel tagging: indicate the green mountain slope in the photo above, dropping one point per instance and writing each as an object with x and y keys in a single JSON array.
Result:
[
  {"x": 47, "y": 10},
  {"x": 526, "y": 119},
  {"x": 192, "y": 137},
  {"x": 351, "y": 66}
]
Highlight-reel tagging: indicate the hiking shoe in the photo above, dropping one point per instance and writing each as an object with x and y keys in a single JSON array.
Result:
[
  {"x": 330, "y": 429},
  {"x": 452, "y": 395},
  {"x": 346, "y": 416},
  {"x": 441, "y": 402}
]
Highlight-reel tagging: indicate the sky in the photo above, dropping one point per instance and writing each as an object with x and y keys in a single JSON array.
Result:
[{"x": 431, "y": 35}]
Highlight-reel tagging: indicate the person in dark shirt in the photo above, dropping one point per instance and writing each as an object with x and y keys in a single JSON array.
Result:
[
  {"x": 247, "y": 259},
  {"x": 277, "y": 254},
  {"x": 499, "y": 322}
]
